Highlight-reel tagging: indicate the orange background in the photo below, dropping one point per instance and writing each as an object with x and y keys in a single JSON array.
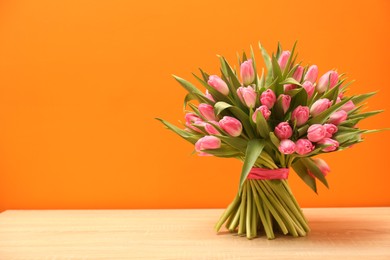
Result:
[{"x": 81, "y": 81}]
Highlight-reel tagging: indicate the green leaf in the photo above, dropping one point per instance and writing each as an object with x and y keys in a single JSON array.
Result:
[
  {"x": 313, "y": 168},
  {"x": 257, "y": 80},
  {"x": 253, "y": 150},
  {"x": 289, "y": 61},
  {"x": 301, "y": 170},
  {"x": 188, "y": 86},
  {"x": 343, "y": 137},
  {"x": 262, "y": 125},
  {"x": 267, "y": 60},
  {"x": 365, "y": 115},
  {"x": 224, "y": 151},
  {"x": 184, "y": 134},
  {"x": 299, "y": 99},
  {"x": 290, "y": 81},
  {"x": 360, "y": 98},
  {"x": 238, "y": 143},
  {"x": 275, "y": 141}
]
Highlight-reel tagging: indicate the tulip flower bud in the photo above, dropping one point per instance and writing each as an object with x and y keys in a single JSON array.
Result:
[
  {"x": 210, "y": 129},
  {"x": 300, "y": 115},
  {"x": 283, "y": 59},
  {"x": 268, "y": 98},
  {"x": 304, "y": 146},
  {"x": 263, "y": 110},
  {"x": 328, "y": 80},
  {"x": 316, "y": 132},
  {"x": 319, "y": 106},
  {"x": 348, "y": 106},
  {"x": 209, "y": 96},
  {"x": 207, "y": 111},
  {"x": 207, "y": 142},
  {"x": 309, "y": 87},
  {"x": 231, "y": 125},
  {"x": 284, "y": 101},
  {"x": 311, "y": 74},
  {"x": 247, "y": 72},
  {"x": 287, "y": 146},
  {"x": 219, "y": 85},
  {"x": 331, "y": 129},
  {"x": 338, "y": 117},
  {"x": 283, "y": 131},
  {"x": 298, "y": 73},
  {"x": 333, "y": 144},
  {"x": 288, "y": 87},
  {"x": 247, "y": 95},
  {"x": 322, "y": 165}
]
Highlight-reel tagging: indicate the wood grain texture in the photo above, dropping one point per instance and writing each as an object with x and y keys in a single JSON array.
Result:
[{"x": 337, "y": 233}]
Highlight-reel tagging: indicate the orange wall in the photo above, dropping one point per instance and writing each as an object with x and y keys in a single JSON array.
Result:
[{"x": 81, "y": 81}]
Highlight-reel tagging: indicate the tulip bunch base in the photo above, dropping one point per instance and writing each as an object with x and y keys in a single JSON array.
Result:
[{"x": 264, "y": 206}]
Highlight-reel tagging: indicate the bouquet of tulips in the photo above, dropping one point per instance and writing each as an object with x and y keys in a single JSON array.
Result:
[{"x": 272, "y": 122}]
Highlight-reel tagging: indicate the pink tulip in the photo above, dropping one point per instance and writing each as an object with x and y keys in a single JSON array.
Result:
[
  {"x": 264, "y": 110},
  {"x": 288, "y": 87},
  {"x": 207, "y": 111},
  {"x": 207, "y": 142},
  {"x": 231, "y": 125},
  {"x": 285, "y": 101},
  {"x": 348, "y": 106},
  {"x": 298, "y": 73},
  {"x": 268, "y": 98},
  {"x": 331, "y": 129},
  {"x": 192, "y": 118},
  {"x": 333, "y": 144},
  {"x": 247, "y": 96},
  {"x": 328, "y": 80},
  {"x": 338, "y": 100},
  {"x": 217, "y": 83},
  {"x": 322, "y": 165},
  {"x": 319, "y": 106},
  {"x": 303, "y": 146},
  {"x": 247, "y": 72},
  {"x": 283, "y": 59},
  {"x": 309, "y": 87},
  {"x": 210, "y": 129},
  {"x": 340, "y": 95},
  {"x": 209, "y": 96},
  {"x": 316, "y": 132},
  {"x": 311, "y": 74},
  {"x": 287, "y": 146},
  {"x": 300, "y": 115},
  {"x": 338, "y": 117},
  {"x": 283, "y": 131}
]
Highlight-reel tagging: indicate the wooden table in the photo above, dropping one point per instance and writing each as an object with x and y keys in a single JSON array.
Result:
[{"x": 337, "y": 233}]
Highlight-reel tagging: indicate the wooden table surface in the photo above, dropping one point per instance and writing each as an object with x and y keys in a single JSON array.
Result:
[{"x": 337, "y": 233}]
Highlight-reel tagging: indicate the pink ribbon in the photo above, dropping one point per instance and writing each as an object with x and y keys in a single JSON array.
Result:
[{"x": 268, "y": 174}]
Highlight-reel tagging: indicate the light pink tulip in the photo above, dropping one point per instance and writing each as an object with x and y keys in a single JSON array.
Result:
[
  {"x": 264, "y": 110},
  {"x": 285, "y": 101},
  {"x": 322, "y": 165},
  {"x": 283, "y": 131},
  {"x": 247, "y": 72},
  {"x": 311, "y": 74},
  {"x": 303, "y": 146},
  {"x": 327, "y": 81},
  {"x": 268, "y": 98},
  {"x": 320, "y": 106},
  {"x": 333, "y": 144},
  {"x": 209, "y": 96},
  {"x": 338, "y": 100},
  {"x": 298, "y": 73},
  {"x": 192, "y": 118},
  {"x": 231, "y": 125},
  {"x": 338, "y": 117},
  {"x": 247, "y": 96},
  {"x": 331, "y": 129},
  {"x": 217, "y": 83},
  {"x": 207, "y": 111},
  {"x": 316, "y": 132},
  {"x": 287, "y": 146},
  {"x": 300, "y": 115},
  {"x": 207, "y": 142},
  {"x": 283, "y": 59},
  {"x": 348, "y": 106},
  {"x": 210, "y": 129},
  {"x": 309, "y": 87}
]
